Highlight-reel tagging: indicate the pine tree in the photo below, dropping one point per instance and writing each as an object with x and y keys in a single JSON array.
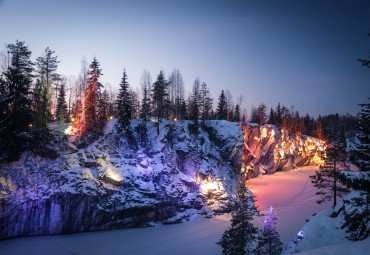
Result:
[
  {"x": 239, "y": 238},
  {"x": 93, "y": 92},
  {"x": 261, "y": 114},
  {"x": 221, "y": 111},
  {"x": 62, "y": 112},
  {"x": 308, "y": 125},
  {"x": 319, "y": 130},
  {"x": 160, "y": 98},
  {"x": 195, "y": 103},
  {"x": 16, "y": 101},
  {"x": 124, "y": 105},
  {"x": 40, "y": 116},
  {"x": 363, "y": 136},
  {"x": 326, "y": 180},
  {"x": 269, "y": 240},
  {"x": 205, "y": 102},
  {"x": 183, "y": 110},
  {"x": 278, "y": 116},
  {"x": 272, "y": 119},
  {"x": 237, "y": 113},
  {"x": 46, "y": 69}
]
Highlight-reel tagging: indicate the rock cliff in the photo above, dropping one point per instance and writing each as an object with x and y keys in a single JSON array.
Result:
[{"x": 118, "y": 182}]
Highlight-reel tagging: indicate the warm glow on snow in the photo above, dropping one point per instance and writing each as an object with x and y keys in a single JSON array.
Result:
[
  {"x": 114, "y": 175},
  {"x": 211, "y": 186},
  {"x": 68, "y": 130}
]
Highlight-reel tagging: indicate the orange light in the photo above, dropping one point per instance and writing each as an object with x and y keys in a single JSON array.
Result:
[
  {"x": 111, "y": 117},
  {"x": 175, "y": 119},
  {"x": 30, "y": 125},
  {"x": 73, "y": 119}
]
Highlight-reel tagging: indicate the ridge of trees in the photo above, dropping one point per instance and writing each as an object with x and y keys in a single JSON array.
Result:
[{"x": 37, "y": 94}]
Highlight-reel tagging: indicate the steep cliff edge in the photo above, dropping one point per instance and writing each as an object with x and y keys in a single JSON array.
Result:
[
  {"x": 114, "y": 182},
  {"x": 268, "y": 149}
]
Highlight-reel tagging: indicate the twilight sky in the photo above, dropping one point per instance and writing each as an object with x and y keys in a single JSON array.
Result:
[{"x": 301, "y": 53}]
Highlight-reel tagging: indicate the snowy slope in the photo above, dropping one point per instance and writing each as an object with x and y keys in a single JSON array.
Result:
[{"x": 323, "y": 234}]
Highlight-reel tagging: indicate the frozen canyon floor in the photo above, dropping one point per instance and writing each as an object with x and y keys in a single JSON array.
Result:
[{"x": 290, "y": 193}]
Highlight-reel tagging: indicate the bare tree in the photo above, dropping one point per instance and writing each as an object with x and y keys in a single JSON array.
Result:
[
  {"x": 230, "y": 104},
  {"x": 176, "y": 92}
]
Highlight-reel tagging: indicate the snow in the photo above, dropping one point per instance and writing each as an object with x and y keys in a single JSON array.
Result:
[
  {"x": 198, "y": 236},
  {"x": 346, "y": 248},
  {"x": 292, "y": 196},
  {"x": 290, "y": 193}
]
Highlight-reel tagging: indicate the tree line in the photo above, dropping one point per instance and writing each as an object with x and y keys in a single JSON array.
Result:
[{"x": 32, "y": 94}]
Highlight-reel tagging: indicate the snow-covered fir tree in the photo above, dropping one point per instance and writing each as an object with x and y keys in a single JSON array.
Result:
[
  {"x": 269, "y": 239},
  {"x": 240, "y": 237},
  {"x": 124, "y": 105}
]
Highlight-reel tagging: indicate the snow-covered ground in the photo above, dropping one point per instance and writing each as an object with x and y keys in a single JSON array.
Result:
[
  {"x": 290, "y": 193},
  {"x": 198, "y": 236}
]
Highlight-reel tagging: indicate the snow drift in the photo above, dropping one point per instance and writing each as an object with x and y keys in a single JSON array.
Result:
[{"x": 115, "y": 182}]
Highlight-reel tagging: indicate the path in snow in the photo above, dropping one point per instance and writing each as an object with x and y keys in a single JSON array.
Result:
[
  {"x": 292, "y": 195},
  {"x": 290, "y": 192}
]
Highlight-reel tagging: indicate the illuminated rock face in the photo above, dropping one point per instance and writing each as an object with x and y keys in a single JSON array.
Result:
[
  {"x": 268, "y": 149},
  {"x": 114, "y": 182}
]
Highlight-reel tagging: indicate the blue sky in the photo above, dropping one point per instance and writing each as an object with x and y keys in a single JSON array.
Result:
[{"x": 301, "y": 53}]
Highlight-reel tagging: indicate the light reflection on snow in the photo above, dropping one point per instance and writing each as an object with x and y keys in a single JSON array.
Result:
[
  {"x": 68, "y": 130},
  {"x": 211, "y": 186}
]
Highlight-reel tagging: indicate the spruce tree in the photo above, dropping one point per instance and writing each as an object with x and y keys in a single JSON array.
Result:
[
  {"x": 205, "y": 102},
  {"x": 124, "y": 106},
  {"x": 160, "y": 98},
  {"x": 16, "y": 101},
  {"x": 145, "y": 104},
  {"x": 239, "y": 238},
  {"x": 92, "y": 124},
  {"x": 46, "y": 71},
  {"x": 183, "y": 110},
  {"x": 269, "y": 240},
  {"x": 278, "y": 116},
  {"x": 62, "y": 112},
  {"x": 195, "y": 104},
  {"x": 272, "y": 119},
  {"x": 221, "y": 111},
  {"x": 237, "y": 113},
  {"x": 326, "y": 180},
  {"x": 261, "y": 111}
]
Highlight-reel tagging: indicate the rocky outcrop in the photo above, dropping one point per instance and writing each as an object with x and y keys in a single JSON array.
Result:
[
  {"x": 118, "y": 182},
  {"x": 268, "y": 149}
]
